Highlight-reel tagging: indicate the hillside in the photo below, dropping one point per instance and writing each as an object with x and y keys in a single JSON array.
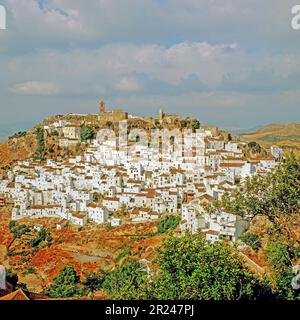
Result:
[
  {"x": 286, "y": 136},
  {"x": 87, "y": 249},
  {"x": 23, "y": 145}
]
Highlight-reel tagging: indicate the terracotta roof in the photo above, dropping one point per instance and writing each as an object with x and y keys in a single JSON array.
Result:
[
  {"x": 213, "y": 232},
  {"x": 111, "y": 199},
  {"x": 232, "y": 165},
  {"x": 79, "y": 215},
  {"x": 206, "y": 196},
  {"x": 16, "y": 295}
]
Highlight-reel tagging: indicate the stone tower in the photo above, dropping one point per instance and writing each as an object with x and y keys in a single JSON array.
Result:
[
  {"x": 161, "y": 114},
  {"x": 102, "y": 107}
]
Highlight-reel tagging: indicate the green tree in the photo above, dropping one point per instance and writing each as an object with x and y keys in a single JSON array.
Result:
[
  {"x": 195, "y": 124},
  {"x": 252, "y": 240},
  {"x": 127, "y": 282},
  {"x": 278, "y": 256},
  {"x": 254, "y": 146},
  {"x": 43, "y": 236},
  {"x": 18, "y": 230},
  {"x": 274, "y": 195},
  {"x": 94, "y": 281},
  {"x": 66, "y": 284},
  {"x": 86, "y": 133},
  {"x": 284, "y": 289},
  {"x": 191, "y": 268},
  {"x": 41, "y": 141},
  {"x": 13, "y": 279},
  {"x": 54, "y": 133},
  {"x": 168, "y": 223}
]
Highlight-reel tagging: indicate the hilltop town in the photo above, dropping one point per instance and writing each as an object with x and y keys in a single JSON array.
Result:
[{"x": 118, "y": 182}]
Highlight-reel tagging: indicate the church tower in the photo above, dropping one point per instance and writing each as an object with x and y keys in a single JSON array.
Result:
[
  {"x": 102, "y": 107},
  {"x": 161, "y": 114}
]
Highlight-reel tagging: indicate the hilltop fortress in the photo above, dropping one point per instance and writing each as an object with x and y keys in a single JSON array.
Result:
[{"x": 114, "y": 115}]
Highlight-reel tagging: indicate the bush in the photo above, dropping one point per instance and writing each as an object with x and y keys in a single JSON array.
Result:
[
  {"x": 41, "y": 141},
  {"x": 94, "y": 281},
  {"x": 54, "y": 133},
  {"x": 19, "y": 134},
  {"x": 193, "y": 269},
  {"x": 252, "y": 240},
  {"x": 42, "y": 236},
  {"x": 123, "y": 255},
  {"x": 30, "y": 270},
  {"x": 168, "y": 223},
  {"x": 278, "y": 256},
  {"x": 128, "y": 282},
  {"x": 86, "y": 133},
  {"x": 18, "y": 230},
  {"x": 66, "y": 284}
]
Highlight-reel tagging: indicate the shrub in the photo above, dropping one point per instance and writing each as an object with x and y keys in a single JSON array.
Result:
[
  {"x": 94, "y": 281},
  {"x": 66, "y": 284},
  {"x": 168, "y": 223},
  {"x": 127, "y": 282},
  {"x": 86, "y": 133},
  {"x": 252, "y": 240}
]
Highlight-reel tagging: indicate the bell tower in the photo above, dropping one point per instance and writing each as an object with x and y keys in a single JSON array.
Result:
[
  {"x": 161, "y": 114},
  {"x": 102, "y": 107}
]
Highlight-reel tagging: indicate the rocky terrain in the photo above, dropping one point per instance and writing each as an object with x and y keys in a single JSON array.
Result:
[{"x": 86, "y": 249}]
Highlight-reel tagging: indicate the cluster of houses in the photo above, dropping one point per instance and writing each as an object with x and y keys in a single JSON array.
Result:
[{"x": 109, "y": 184}]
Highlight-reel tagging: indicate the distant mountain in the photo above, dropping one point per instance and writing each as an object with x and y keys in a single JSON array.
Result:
[{"x": 285, "y": 135}]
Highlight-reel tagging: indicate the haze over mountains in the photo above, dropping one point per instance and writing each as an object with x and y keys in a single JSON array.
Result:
[{"x": 8, "y": 129}]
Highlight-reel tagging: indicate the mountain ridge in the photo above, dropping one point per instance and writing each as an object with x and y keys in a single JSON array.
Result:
[{"x": 284, "y": 135}]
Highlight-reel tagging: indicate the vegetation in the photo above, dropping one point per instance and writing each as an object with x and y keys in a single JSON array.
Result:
[
  {"x": 13, "y": 279},
  {"x": 86, "y": 133},
  {"x": 252, "y": 240},
  {"x": 276, "y": 196},
  {"x": 123, "y": 255},
  {"x": 191, "y": 268},
  {"x": 168, "y": 223},
  {"x": 190, "y": 123},
  {"x": 127, "y": 282},
  {"x": 19, "y": 134},
  {"x": 94, "y": 281},
  {"x": 123, "y": 210},
  {"x": 18, "y": 230},
  {"x": 41, "y": 141},
  {"x": 43, "y": 237},
  {"x": 279, "y": 258},
  {"x": 30, "y": 270},
  {"x": 54, "y": 133},
  {"x": 77, "y": 147},
  {"x": 254, "y": 147},
  {"x": 66, "y": 284}
]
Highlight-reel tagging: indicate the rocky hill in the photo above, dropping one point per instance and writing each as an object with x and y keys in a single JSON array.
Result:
[{"x": 24, "y": 144}]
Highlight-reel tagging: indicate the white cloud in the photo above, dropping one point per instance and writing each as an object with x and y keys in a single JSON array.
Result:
[
  {"x": 68, "y": 23},
  {"x": 213, "y": 53},
  {"x": 35, "y": 88},
  {"x": 128, "y": 85},
  {"x": 153, "y": 69}
]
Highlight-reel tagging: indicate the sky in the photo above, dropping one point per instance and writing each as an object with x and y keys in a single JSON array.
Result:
[{"x": 231, "y": 63}]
